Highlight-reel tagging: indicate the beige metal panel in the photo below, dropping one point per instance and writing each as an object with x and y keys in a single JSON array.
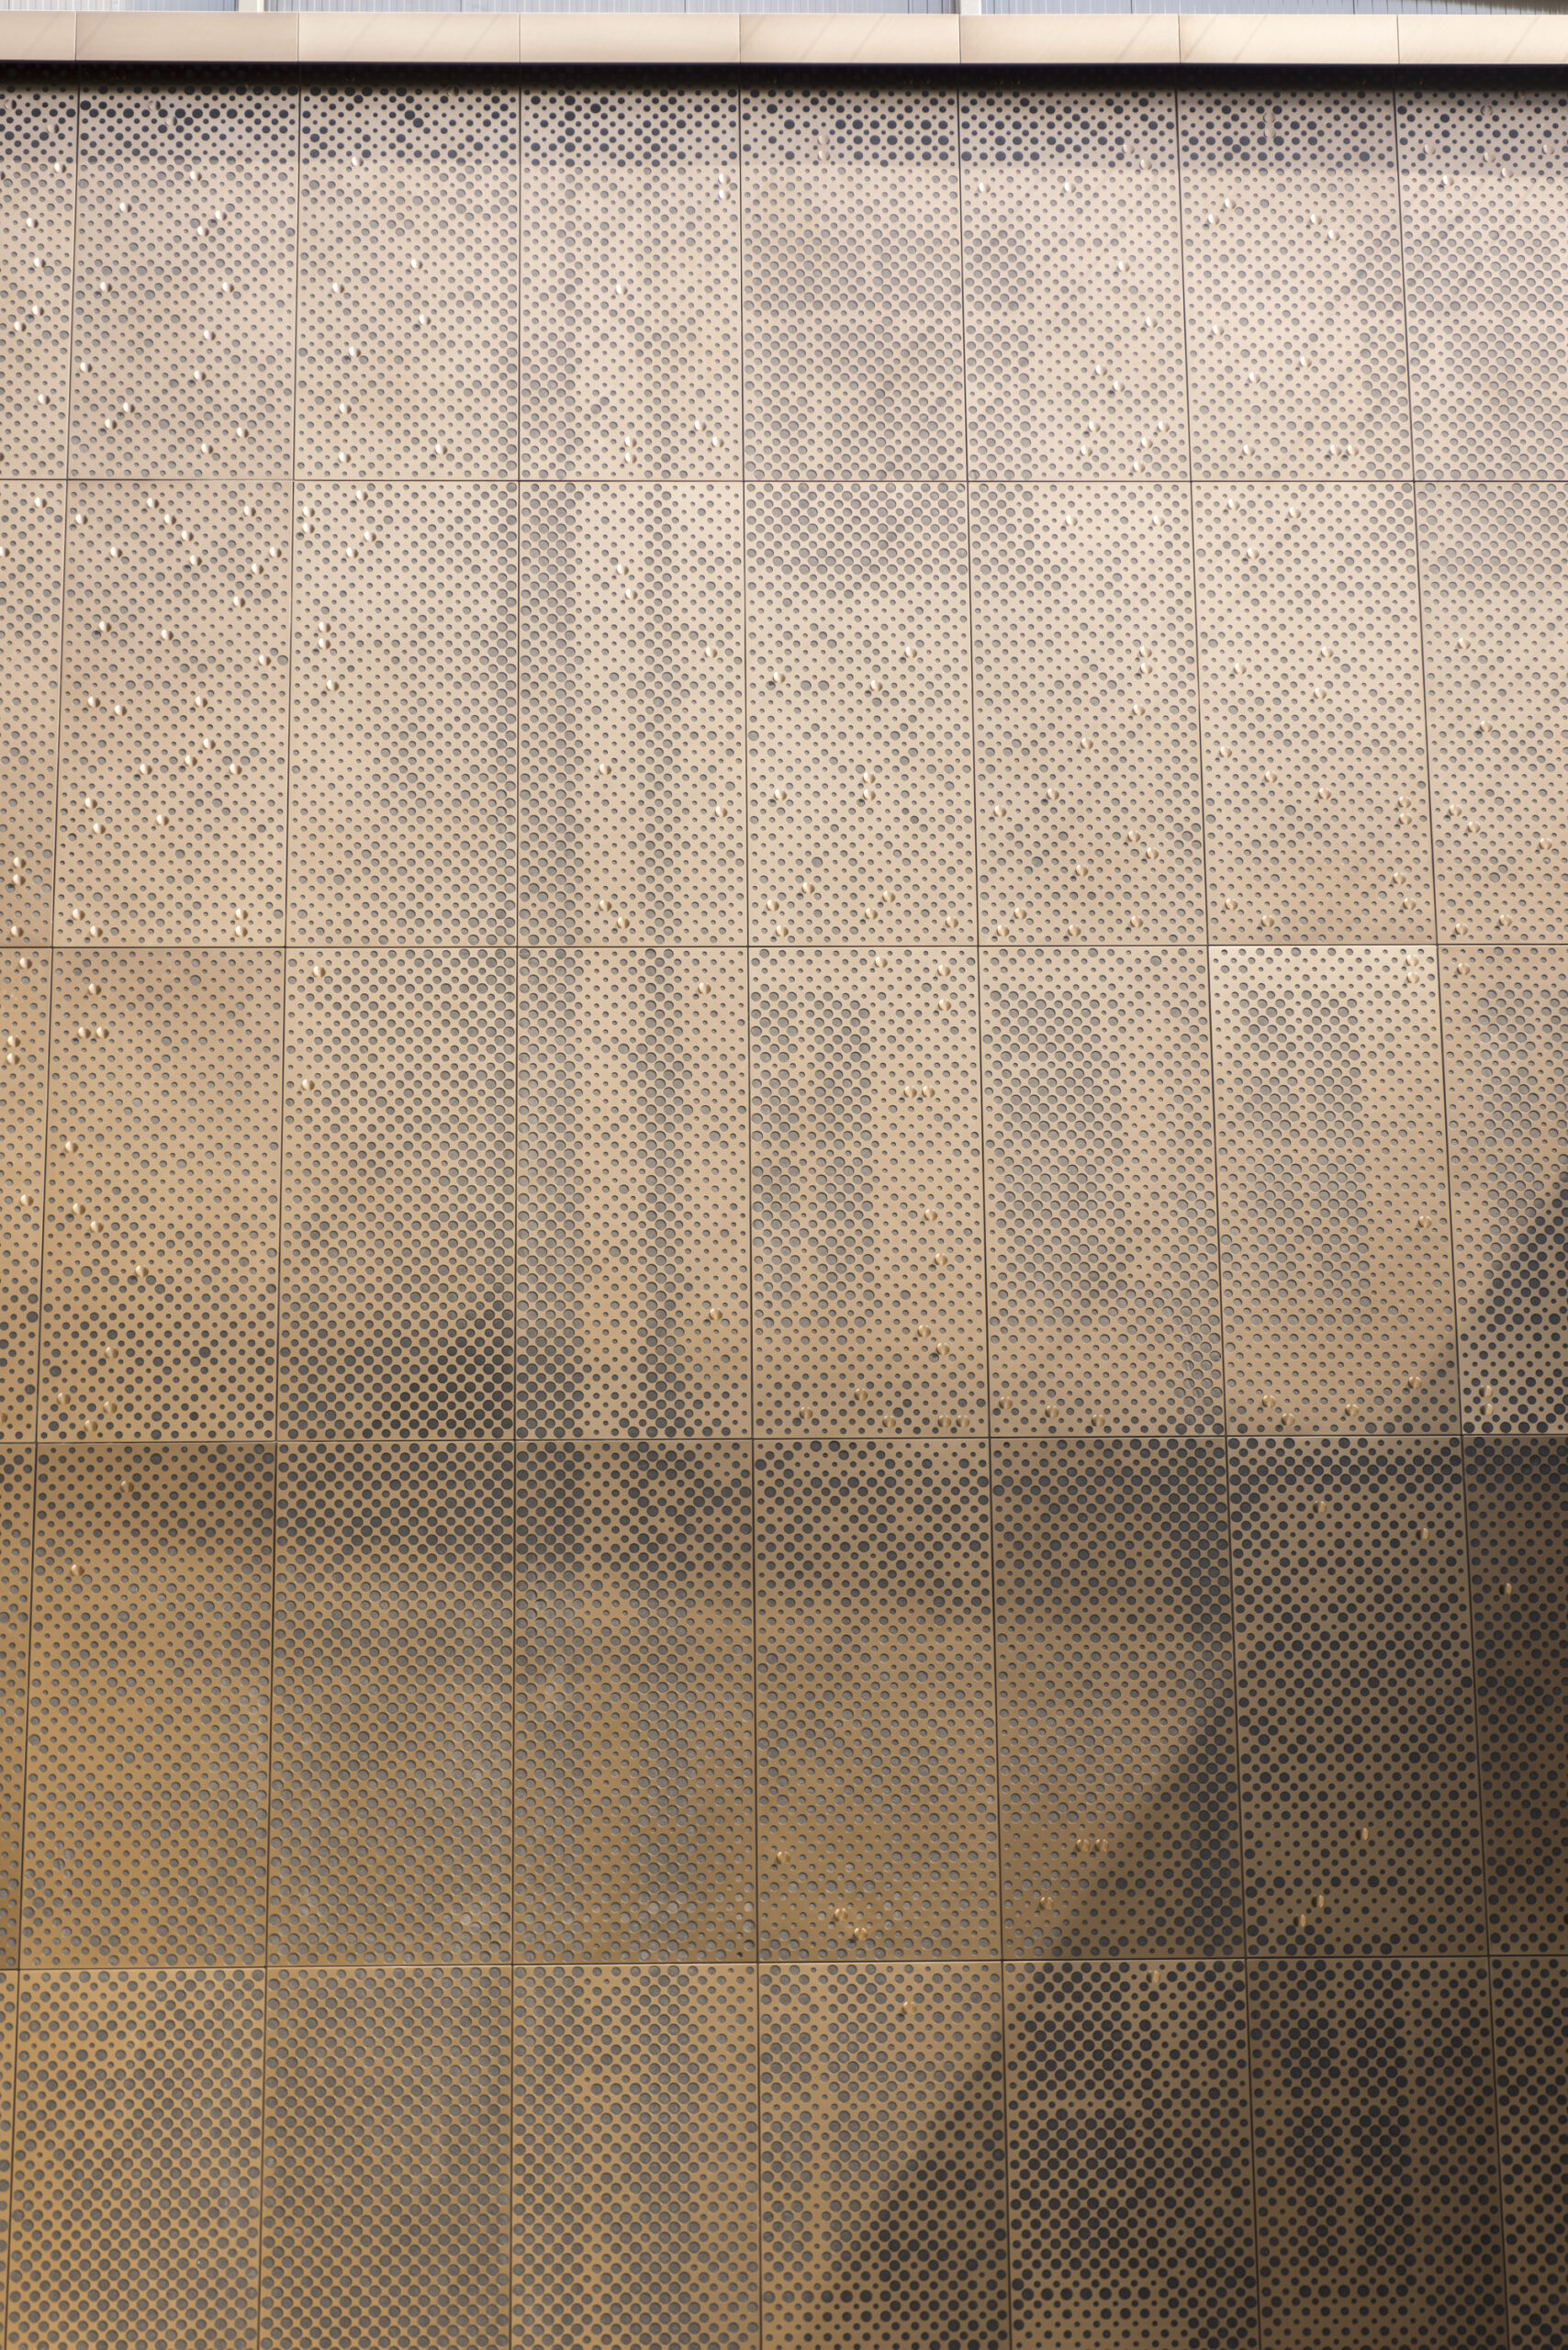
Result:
[
  {"x": 883, "y": 2195},
  {"x": 1078, "y": 40},
  {"x": 851, "y": 281},
  {"x": 635, "y": 1314},
  {"x": 1315, "y": 779},
  {"x": 172, "y": 795},
  {"x": 9, "y": 1991},
  {"x": 153, "y": 36},
  {"x": 1333, "y": 1194},
  {"x": 636, "y": 1831},
  {"x": 15, "y": 1608},
  {"x": 403, "y": 790},
  {"x": 1072, "y": 284},
  {"x": 32, "y": 524},
  {"x": 391, "y": 1783},
  {"x": 399, "y": 1124},
  {"x": 1086, "y": 711},
  {"x": 384, "y": 2209},
  {"x": 39, "y": 164},
  {"x": 147, "y": 1771},
  {"x": 1517, "y": 1504},
  {"x": 1100, "y": 1191},
  {"x": 426, "y": 37},
  {"x": 24, "y": 1079},
  {"x": 138, "y": 2108},
  {"x": 876, "y": 1745},
  {"x": 159, "y": 1289},
  {"x": 1289, "y": 39},
  {"x": 1506, "y": 1059},
  {"x": 627, "y": 37},
  {"x": 630, "y": 284},
  {"x": 861, "y": 775},
  {"x": 1295, "y": 328},
  {"x": 632, "y": 717},
  {"x": 1491, "y": 605},
  {"x": 409, "y": 281},
  {"x": 867, "y": 1233},
  {"x": 39, "y": 34},
  {"x": 634, "y": 2156},
  {"x": 182, "y": 359}
]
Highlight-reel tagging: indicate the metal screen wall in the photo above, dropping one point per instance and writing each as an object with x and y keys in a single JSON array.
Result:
[{"x": 786, "y": 1068}]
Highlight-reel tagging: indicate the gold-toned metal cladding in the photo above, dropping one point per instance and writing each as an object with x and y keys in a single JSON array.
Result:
[
  {"x": 1528, "y": 2019},
  {"x": 861, "y": 769},
  {"x": 1100, "y": 1191},
  {"x": 1295, "y": 329},
  {"x": 1315, "y": 779},
  {"x": 1484, "y": 214},
  {"x": 24, "y": 1074},
  {"x": 634, "y": 2156},
  {"x": 867, "y": 1251},
  {"x": 1333, "y": 1196},
  {"x": 183, "y": 360},
  {"x": 408, "y": 282},
  {"x": 138, "y": 2158},
  {"x": 173, "y": 770},
  {"x": 403, "y": 806},
  {"x": 635, "y": 1694},
  {"x": 630, "y": 284},
  {"x": 159, "y": 1291},
  {"x": 385, "y": 2207},
  {"x": 1120, "y": 1829},
  {"x": 851, "y": 281},
  {"x": 32, "y": 525},
  {"x": 1086, "y": 713},
  {"x": 391, "y": 1804},
  {"x": 37, "y": 169},
  {"x": 876, "y": 1774},
  {"x": 632, "y": 717},
  {"x": 883, "y": 2188},
  {"x": 16, "y": 1617},
  {"x": 146, "y": 1770},
  {"x": 1491, "y": 564},
  {"x": 9, "y": 1991},
  {"x": 1072, "y": 284},
  {"x": 398, "y": 1211},
  {"x": 633, "y": 1315}
]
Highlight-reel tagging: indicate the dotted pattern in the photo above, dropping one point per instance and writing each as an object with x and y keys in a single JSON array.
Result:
[
  {"x": 15, "y": 1595},
  {"x": 1120, "y": 1829},
  {"x": 1376, "y": 2161},
  {"x": 183, "y": 357},
  {"x": 31, "y": 523},
  {"x": 1129, "y": 2178},
  {"x": 1086, "y": 707},
  {"x": 883, "y": 2193},
  {"x": 1362, "y": 1825},
  {"x": 634, "y": 2158},
  {"x": 851, "y": 284},
  {"x": 631, "y": 282},
  {"x": 1072, "y": 284},
  {"x": 1100, "y": 1191},
  {"x": 385, "y": 2198},
  {"x": 24, "y": 1069},
  {"x": 391, "y": 1698},
  {"x": 1333, "y": 1255},
  {"x": 632, "y": 717},
  {"x": 876, "y": 1744},
  {"x": 636, "y": 1700},
  {"x": 1528, "y": 2007},
  {"x": 7, "y": 2107},
  {"x": 399, "y": 1124},
  {"x": 37, "y": 180}
]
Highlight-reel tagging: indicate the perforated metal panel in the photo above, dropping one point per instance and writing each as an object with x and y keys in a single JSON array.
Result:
[
  {"x": 1130, "y": 2190},
  {"x": 1332, "y": 1190},
  {"x": 883, "y": 2195},
  {"x": 1072, "y": 284},
  {"x": 876, "y": 1769},
  {"x": 16, "y": 1625},
  {"x": 24, "y": 1070},
  {"x": 1360, "y": 1820},
  {"x": 138, "y": 2158},
  {"x": 1375, "y": 2152},
  {"x": 1529, "y": 2023},
  {"x": 183, "y": 356},
  {"x": 1290, "y": 232},
  {"x": 634, "y": 2161},
  {"x": 636, "y": 1829},
  {"x": 385, "y": 2204},
  {"x": 408, "y": 280},
  {"x": 851, "y": 279},
  {"x": 8, "y": 2106},
  {"x": 31, "y": 530},
  {"x": 399, "y": 1117},
  {"x": 161, "y": 1205},
  {"x": 391, "y": 1806},
  {"x": 39, "y": 164},
  {"x": 403, "y": 812},
  {"x": 632, "y": 717},
  {"x": 1100, "y": 1191},
  {"x": 630, "y": 284},
  {"x": 633, "y": 1317}
]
